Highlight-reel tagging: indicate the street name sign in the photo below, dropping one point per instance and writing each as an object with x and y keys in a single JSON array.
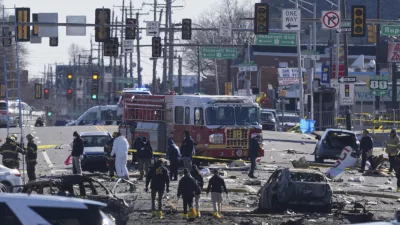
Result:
[
  {"x": 277, "y": 39},
  {"x": 330, "y": 19},
  {"x": 347, "y": 79},
  {"x": 152, "y": 28},
  {"x": 218, "y": 53},
  {"x": 378, "y": 85},
  {"x": 345, "y": 24},
  {"x": 346, "y": 94},
  {"x": 291, "y": 19},
  {"x": 310, "y": 54},
  {"x": 248, "y": 66},
  {"x": 390, "y": 30}
]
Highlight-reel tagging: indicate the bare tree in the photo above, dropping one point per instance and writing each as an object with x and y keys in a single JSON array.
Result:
[
  {"x": 228, "y": 12},
  {"x": 74, "y": 51}
]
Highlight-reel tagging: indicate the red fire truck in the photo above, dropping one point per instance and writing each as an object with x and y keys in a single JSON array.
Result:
[{"x": 221, "y": 126}]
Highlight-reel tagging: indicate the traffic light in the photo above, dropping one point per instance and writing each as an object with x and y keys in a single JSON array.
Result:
[
  {"x": 347, "y": 90},
  {"x": 7, "y": 40},
  {"x": 70, "y": 78},
  {"x": 23, "y": 15},
  {"x": 95, "y": 92},
  {"x": 186, "y": 29},
  {"x": 358, "y": 20},
  {"x": 103, "y": 17},
  {"x": 261, "y": 18},
  {"x": 111, "y": 47},
  {"x": 53, "y": 41},
  {"x": 46, "y": 93},
  {"x": 371, "y": 33},
  {"x": 69, "y": 94},
  {"x": 130, "y": 29},
  {"x": 35, "y": 28},
  {"x": 49, "y": 113},
  {"x": 95, "y": 77},
  {"x": 38, "y": 91},
  {"x": 156, "y": 47},
  {"x": 2, "y": 90}
]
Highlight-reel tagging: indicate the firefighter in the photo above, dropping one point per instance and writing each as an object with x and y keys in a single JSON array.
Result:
[
  {"x": 110, "y": 159},
  {"x": 31, "y": 157},
  {"x": 392, "y": 149},
  {"x": 9, "y": 151},
  {"x": 158, "y": 175}
]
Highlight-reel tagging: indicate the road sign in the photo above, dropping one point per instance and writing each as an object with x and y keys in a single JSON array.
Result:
[
  {"x": 378, "y": 85},
  {"x": 226, "y": 31},
  {"x": 276, "y": 39},
  {"x": 341, "y": 70},
  {"x": 128, "y": 46},
  {"x": 152, "y": 28},
  {"x": 346, "y": 94},
  {"x": 390, "y": 30},
  {"x": 310, "y": 54},
  {"x": 48, "y": 31},
  {"x": 325, "y": 79},
  {"x": 218, "y": 53},
  {"x": 291, "y": 19},
  {"x": 330, "y": 19},
  {"x": 249, "y": 66},
  {"x": 347, "y": 79},
  {"x": 345, "y": 24}
]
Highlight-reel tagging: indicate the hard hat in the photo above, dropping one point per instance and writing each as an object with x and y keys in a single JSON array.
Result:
[
  {"x": 14, "y": 136},
  {"x": 29, "y": 136}
]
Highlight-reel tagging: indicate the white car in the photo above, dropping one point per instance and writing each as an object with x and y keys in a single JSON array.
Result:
[
  {"x": 24, "y": 209},
  {"x": 10, "y": 177}
]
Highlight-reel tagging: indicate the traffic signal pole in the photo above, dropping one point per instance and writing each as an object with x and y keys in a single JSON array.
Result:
[
  {"x": 377, "y": 55},
  {"x": 346, "y": 65},
  {"x": 5, "y": 82}
]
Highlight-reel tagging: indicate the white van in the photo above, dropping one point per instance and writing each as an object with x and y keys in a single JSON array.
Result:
[
  {"x": 98, "y": 115},
  {"x": 28, "y": 115}
]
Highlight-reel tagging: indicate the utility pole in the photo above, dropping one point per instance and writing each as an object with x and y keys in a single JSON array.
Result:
[
  {"x": 115, "y": 61},
  {"x": 180, "y": 89},
  {"x": 198, "y": 67},
  {"x": 164, "y": 80},
  {"x": 154, "y": 80},
  {"x": 111, "y": 86},
  {"x": 125, "y": 54},
  {"x": 346, "y": 67},
  {"x": 301, "y": 91},
  {"x": 378, "y": 44},
  {"x": 171, "y": 47},
  {"x": 130, "y": 54},
  {"x": 138, "y": 52}
]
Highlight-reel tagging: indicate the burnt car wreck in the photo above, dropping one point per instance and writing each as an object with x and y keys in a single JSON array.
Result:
[
  {"x": 287, "y": 188},
  {"x": 83, "y": 187}
]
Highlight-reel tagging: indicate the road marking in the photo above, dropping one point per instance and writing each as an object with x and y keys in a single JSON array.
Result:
[
  {"x": 46, "y": 157},
  {"x": 46, "y": 146}
]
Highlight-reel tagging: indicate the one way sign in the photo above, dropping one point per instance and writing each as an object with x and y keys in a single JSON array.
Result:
[
  {"x": 347, "y": 79},
  {"x": 291, "y": 19}
]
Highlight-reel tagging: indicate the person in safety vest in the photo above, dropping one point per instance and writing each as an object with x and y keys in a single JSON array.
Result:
[
  {"x": 9, "y": 151},
  {"x": 31, "y": 157},
  {"x": 392, "y": 149},
  {"x": 110, "y": 159}
]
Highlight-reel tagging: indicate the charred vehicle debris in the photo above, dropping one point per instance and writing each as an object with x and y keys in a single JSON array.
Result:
[{"x": 81, "y": 186}]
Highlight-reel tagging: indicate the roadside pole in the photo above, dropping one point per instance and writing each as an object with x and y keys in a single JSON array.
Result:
[{"x": 301, "y": 90}]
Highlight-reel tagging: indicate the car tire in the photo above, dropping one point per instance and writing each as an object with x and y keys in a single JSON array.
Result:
[{"x": 7, "y": 185}]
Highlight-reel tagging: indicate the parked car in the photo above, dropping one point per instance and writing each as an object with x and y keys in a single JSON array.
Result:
[
  {"x": 268, "y": 121},
  {"x": 331, "y": 143},
  {"x": 295, "y": 187},
  {"x": 83, "y": 187},
  {"x": 288, "y": 120},
  {"x": 10, "y": 177},
  {"x": 24, "y": 209},
  {"x": 93, "y": 152}
]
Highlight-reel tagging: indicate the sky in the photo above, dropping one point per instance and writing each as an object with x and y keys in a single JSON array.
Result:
[{"x": 43, "y": 54}]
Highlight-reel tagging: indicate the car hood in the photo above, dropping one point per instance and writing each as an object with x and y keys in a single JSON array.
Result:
[{"x": 93, "y": 150}]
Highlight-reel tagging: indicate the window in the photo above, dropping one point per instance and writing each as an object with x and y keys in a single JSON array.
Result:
[
  {"x": 198, "y": 116},
  {"x": 91, "y": 117},
  {"x": 7, "y": 216},
  {"x": 179, "y": 113},
  {"x": 95, "y": 141},
  {"x": 187, "y": 115},
  {"x": 68, "y": 216}
]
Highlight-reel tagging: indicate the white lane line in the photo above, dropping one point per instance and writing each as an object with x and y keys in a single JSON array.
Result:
[{"x": 46, "y": 157}]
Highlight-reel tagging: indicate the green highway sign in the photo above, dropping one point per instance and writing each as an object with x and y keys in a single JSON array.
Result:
[
  {"x": 390, "y": 30},
  {"x": 309, "y": 52},
  {"x": 218, "y": 53},
  {"x": 345, "y": 24},
  {"x": 276, "y": 39},
  {"x": 378, "y": 85}
]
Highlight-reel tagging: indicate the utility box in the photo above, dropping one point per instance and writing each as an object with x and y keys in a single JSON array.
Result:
[{"x": 324, "y": 108}]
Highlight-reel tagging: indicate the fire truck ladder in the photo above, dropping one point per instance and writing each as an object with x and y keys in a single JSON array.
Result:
[{"x": 15, "y": 98}]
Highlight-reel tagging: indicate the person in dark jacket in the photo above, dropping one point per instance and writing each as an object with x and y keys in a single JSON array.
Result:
[
  {"x": 77, "y": 152},
  {"x": 366, "y": 147},
  {"x": 9, "y": 150},
  {"x": 188, "y": 188},
  {"x": 136, "y": 145},
  {"x": 200, "y": 181},
  {"x": 174, "y": 157},
  {"x": 216, "y": 184},
  {"x": 110, "y": 159},
  {"x": 159, "y": 178},
  {"x": 187, "y": 150},
  {"x": 254, "y": 146},
  {"x": 31, "y": 157},
  {"x": 144, "y": 155}
]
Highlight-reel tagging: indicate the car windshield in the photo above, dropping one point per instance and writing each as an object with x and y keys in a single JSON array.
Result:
[
  {"x": 95, "y": 140},
  {"x": 227, "y": 115}
]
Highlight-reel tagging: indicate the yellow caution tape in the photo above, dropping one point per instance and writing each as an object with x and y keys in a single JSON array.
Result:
[{"x": 46, "y": 146}]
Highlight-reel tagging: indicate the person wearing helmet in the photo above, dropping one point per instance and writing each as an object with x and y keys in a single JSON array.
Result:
[
  {"x": 9, "y": 150},
  {"x": 110, "y": 159},
  {"x": 31, "y": 157},
  {"x": 392, "y": 149}
]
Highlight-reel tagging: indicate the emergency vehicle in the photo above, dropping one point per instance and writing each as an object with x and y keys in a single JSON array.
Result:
[{"x": 221, "y": 126}]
